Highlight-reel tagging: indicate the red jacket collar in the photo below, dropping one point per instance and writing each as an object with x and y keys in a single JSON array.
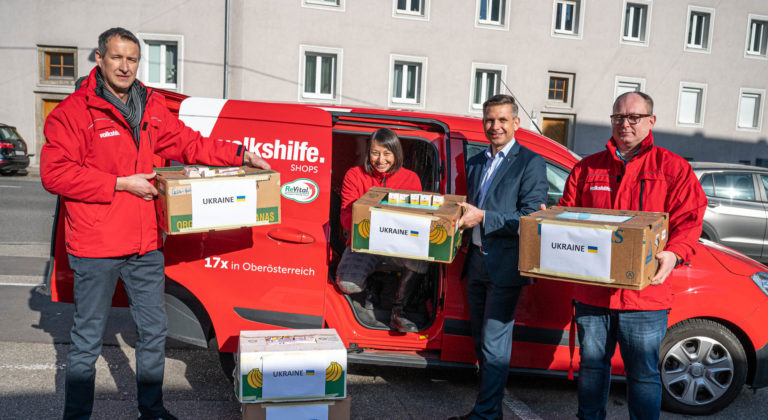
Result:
[{"x": 645, "y": 145}]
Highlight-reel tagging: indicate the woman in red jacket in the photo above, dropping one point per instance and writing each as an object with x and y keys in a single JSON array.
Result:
[{"x": 383, "y": 168}]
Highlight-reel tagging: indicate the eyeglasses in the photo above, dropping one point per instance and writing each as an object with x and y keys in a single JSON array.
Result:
[{"x": 618, "y": 119}]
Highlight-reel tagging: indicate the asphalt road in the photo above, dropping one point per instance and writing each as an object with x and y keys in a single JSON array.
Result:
[{"x": 34, "y": 335}]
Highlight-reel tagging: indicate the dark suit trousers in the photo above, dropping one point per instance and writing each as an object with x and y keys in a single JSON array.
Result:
[{"x": 492, "y": 316}]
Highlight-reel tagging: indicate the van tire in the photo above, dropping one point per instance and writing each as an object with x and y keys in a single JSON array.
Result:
[{"x": 226, "y": 360}]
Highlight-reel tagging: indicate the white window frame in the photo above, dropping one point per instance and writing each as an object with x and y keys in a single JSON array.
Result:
[
  {"x": 626, "y": 79},
  {"x": 405, "y": 14},
  {"x": 489, "y": 24},
  {"x": 569, "y": 90},
  {"x": 484, "y": 67},
  {"x": 645, "y": 30},
  {"x": 760, "y": 103},
  {"x": 335, "y": 96},
  {"x": 334, "y": 5},
  {"x": 578, "y": 27},
  {"x": 143, "y": 76},
  {"x": 703, "y": 107},
  {"x": 748, "y": 43},
  {"x": 710, "y": 30},
  {"x": 420, "y": 101}
]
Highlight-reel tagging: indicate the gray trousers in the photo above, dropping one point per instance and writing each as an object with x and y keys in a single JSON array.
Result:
[
  {"x": 355, "y": 267},
  {"x": 95, "y": 279}
]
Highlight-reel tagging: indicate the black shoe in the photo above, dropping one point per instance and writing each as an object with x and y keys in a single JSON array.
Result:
[{"x": 409, "y": 283}]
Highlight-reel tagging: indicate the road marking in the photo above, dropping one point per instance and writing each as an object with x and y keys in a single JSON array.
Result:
[
  {"x": 22, "y": 284},
  {"x": 518, "y": 407},
  {"x": 34, "y": 249},
  {"x": 9, "y": 186},
  {"x": 35, "y": 367}
]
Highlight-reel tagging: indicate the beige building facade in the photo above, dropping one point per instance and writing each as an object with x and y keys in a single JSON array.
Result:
[{"x": 703, "y": 61}]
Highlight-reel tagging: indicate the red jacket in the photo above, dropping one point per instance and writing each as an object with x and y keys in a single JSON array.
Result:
[
  {"x": 89, "y": 144},
  {"x": 663, "y": 182},
  {"x": 357, "y": 182}
]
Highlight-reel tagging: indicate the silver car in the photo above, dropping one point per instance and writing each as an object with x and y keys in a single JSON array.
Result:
[{"x": 737, "y": 213}]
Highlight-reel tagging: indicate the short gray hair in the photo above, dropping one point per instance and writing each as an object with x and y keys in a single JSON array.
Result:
[
  {"x": 118, "y": 31},
  {"x": 647, "y": 98}
]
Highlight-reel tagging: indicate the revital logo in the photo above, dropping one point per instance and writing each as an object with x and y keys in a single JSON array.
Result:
[{"x": 302, "y": 190}]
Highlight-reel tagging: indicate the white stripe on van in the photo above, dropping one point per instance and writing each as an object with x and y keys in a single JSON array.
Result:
[{"x": 201, "y": 114}]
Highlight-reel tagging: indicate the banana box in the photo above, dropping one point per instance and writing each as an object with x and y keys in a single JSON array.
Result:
[
  {"x": 407, "y": 229},
  {"x": 610, "y": 248},
  {"x": 188, "y": 202},
  {"x": 290, "y": 365},
  {"x": 321, "y": 409}
]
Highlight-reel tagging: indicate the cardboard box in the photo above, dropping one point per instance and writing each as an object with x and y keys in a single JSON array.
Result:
[
  {"x": 307, "y": 410},
  {"x": 613, "y": 248},
  {"x": 290, "y": 365},
  {"x": 416, "y": 231},
  {"x": 187, "y": 205}
]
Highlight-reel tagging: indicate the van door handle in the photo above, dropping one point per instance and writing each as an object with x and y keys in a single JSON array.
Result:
[
  {"x": 713, "y": 205},
  {"x": 294, "y": 236}
]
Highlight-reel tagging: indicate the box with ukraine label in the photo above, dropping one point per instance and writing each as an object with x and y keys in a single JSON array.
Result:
[
  {"x": 290, "y": 365},
  {"x": 200, "y": 199},
  {"x": 407, "y": 224},
  {"x": 612, "y": 248}
]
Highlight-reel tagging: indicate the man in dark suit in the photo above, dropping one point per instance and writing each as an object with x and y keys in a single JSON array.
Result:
[{"x": 504, "y": 182}]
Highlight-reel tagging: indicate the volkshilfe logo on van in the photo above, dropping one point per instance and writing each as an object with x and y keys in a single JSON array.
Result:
[{"x": 302, "y": 190}]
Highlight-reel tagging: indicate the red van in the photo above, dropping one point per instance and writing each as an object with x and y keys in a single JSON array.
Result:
[{"x": 279, "y": 276}]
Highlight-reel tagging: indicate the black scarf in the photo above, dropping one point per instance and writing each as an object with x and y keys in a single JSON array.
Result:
[{"x": 132, "y": 110}]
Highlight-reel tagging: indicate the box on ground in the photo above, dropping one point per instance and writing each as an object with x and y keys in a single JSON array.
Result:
[
  {"x": 187, "y": 205},
  {"x": 404, "y": 229},
  {"x": 305, "y": 410},
  {"x": 290, "y": 365},
  {"x": 614, "y": 248}
]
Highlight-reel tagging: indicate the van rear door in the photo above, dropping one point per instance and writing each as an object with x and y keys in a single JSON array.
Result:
[{"x": 271, "y": 276}]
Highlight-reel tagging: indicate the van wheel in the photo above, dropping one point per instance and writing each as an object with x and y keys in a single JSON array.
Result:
[
  {"x": 703, "y": 367},
  {"x": 226, "y": 360}
]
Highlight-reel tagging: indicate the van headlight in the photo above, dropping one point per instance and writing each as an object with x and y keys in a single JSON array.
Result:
[{"x": 761, "y": 280}]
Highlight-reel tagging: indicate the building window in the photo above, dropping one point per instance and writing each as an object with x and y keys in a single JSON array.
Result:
[
  {"x": 750, "y": 109},
  {"x": 58, "y": 65},
  {"x": 486, "y": 82},
  {"x": 757, "y": 36},
  {"x": 628, "y": 84},
  {"x": 558, "y": 127},
  {"x": 492, "y": 14},
  {"x": 567, "y": 18},
  {"x": 415, "y": 9},
  {"x": 336, "y": 5},
  {"x": 560, "y": 93},
  {"x": 407, "y": 81},
  {"x": 636, "y": 21},
  {"x": 161, "y": 63},
  {"x": 690, "y": 106},
  {"x": 698, "y": 33},
  {"x": 320, "y": 73}
]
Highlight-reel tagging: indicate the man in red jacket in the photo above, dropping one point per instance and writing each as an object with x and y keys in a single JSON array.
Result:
[
  {"x": 99, "y": 159},
  {"x": 632, "y": 174}
]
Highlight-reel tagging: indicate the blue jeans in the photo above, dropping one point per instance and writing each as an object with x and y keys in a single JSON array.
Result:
[
  {"x": 492, "y": 316},
  {"x": 95, "y": 280},
  {"x": 639, "y": 335}
]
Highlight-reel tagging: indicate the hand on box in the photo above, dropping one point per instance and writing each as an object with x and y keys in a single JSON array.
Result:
[
  {"x": 137, "y": 185},
  {"x": 255, "y": 161},
  {"x": 667, "y": 261},
  {"x": 472, "y": 216}
]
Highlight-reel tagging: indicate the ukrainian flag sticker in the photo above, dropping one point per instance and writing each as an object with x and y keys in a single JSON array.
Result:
[{"x": 592, "y": 249}]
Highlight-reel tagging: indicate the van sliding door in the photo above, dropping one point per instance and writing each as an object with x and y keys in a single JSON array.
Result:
[{"x": 271, "y": 276}]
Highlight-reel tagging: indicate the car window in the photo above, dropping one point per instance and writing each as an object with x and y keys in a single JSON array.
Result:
[
  {"x": 764, "y": 181},
  {"x": 734, "y": 186},
  {"x": 707, "y": 185},
  {"x": 556, "y": 178},
  {"x": 7, "y": 133}
]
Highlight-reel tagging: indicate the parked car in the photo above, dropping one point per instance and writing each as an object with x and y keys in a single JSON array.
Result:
[
  {"x": 13, "y": 151},
  {"x": 222, "y": 282},
  {"x": 737, "y": 213}
]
